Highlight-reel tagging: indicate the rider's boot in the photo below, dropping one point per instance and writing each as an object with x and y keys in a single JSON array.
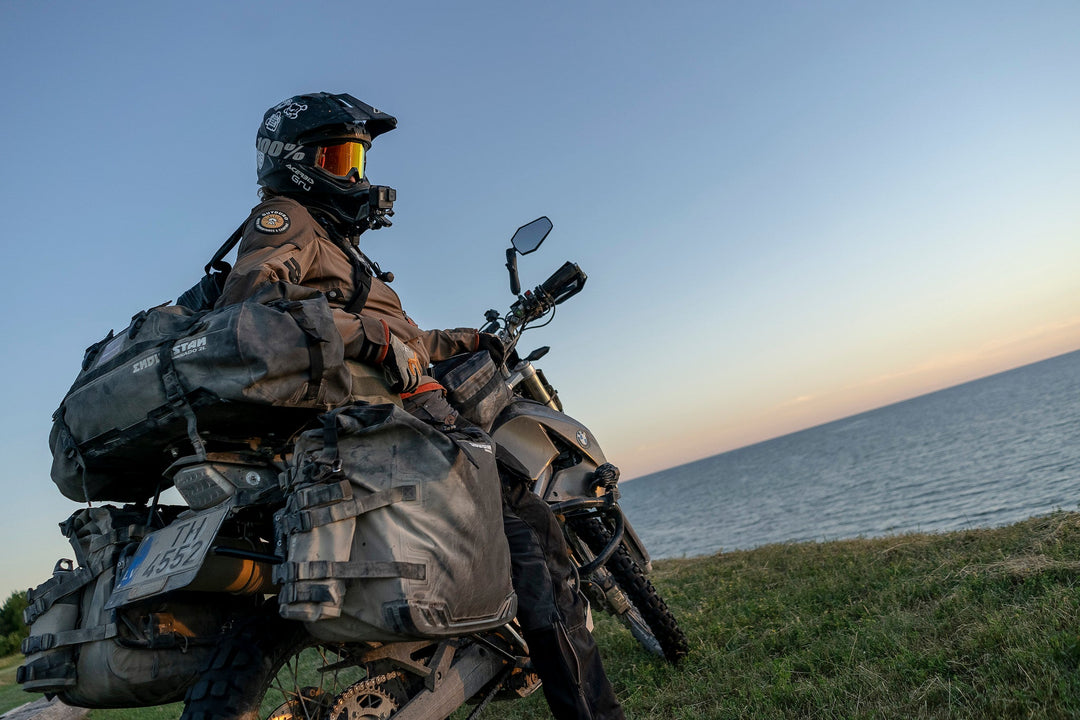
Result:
[{"x": 552, "y": 612}]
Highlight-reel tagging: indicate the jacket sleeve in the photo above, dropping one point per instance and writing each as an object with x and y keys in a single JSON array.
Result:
[
  {"x": 360, "y": 333},
  {"x": 443, "y": 344}
]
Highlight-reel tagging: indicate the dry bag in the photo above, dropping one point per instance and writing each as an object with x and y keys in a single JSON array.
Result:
[
  {"x": 392, "y": 530},
  {"x": 149, "y": 394}
]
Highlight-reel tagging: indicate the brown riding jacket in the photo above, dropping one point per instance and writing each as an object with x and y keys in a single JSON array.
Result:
[{"x": 283, "y": 242}]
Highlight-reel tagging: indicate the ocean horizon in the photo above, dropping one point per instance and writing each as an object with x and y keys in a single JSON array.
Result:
[{"x": 983, "y": 453}]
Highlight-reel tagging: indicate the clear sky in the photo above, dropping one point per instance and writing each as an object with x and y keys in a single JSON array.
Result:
[{"x": 789, "y": 212}]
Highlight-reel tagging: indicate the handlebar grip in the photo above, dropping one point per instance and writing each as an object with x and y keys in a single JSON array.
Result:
[{"x": 565, "y": 282}]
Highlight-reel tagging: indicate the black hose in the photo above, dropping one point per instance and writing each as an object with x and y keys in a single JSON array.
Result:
[{"x": 616, "y": 536}]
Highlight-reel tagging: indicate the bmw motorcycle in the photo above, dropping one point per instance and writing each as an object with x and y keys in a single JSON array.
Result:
[{"x": 263, "y": 666}]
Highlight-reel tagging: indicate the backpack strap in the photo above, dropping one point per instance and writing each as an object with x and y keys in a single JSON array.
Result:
[
  {"x": 362, "y": 267},
  {"x": 362, "y": 274},
  {"x": 205, "y": 293},
  {"x": 218, "y": 261}
]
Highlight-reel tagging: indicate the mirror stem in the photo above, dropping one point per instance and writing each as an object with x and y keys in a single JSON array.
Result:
[{"x": 511, "y": 265}]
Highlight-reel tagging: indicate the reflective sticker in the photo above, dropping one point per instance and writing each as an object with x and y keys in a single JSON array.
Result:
[
  {"x": 272, "y": 222},
  {"x": 293, "y": 110}
]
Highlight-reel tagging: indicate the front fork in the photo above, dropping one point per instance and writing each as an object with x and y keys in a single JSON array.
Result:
[
  {"x": 604, "y": 506},
  {"x": 597, "y": 582},
  {"x": 530, "y": 382}
]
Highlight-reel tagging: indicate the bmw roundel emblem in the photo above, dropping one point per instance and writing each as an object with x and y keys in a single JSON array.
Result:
[{"x": 582, "y": 438}]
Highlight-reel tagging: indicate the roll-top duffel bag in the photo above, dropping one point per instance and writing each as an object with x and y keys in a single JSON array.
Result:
[{"x": 144, "y": 397}]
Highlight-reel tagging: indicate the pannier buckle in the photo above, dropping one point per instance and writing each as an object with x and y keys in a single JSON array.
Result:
[{"x": 321, "y": 472}]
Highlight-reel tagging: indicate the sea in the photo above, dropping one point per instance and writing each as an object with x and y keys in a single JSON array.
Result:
[{"x": 986, "y": 453}]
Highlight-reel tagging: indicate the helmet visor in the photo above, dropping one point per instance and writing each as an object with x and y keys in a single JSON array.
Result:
[{"x": 341, "y": 159}]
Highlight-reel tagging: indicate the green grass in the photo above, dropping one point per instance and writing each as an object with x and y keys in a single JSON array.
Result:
[
  {"x": 975, "y": 624},
  {"x": 11, "y": 695}
]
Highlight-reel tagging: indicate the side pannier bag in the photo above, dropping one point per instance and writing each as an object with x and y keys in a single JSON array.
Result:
[
  {"x": 144, "y": 396},
  {"x": 93, "y": 657},
  {"x": 392, "y": 530}
]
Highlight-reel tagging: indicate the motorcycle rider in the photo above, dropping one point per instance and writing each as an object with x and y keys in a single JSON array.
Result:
[{"x": 317, "y": 202}]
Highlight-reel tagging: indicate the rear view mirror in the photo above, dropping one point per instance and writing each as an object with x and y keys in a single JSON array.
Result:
[
  {"x": 526, "y": 240},
  {"x": 529, "y": 237}
]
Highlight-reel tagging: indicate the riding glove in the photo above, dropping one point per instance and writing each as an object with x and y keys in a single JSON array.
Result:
[
  {"x": 401, "y": 367},
  {"x": 377, "y": 346},
  {"x": 494, "y": 345}
]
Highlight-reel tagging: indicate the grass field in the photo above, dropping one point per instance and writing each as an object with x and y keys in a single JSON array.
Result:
[
  {"x": 974, "y": 624},
  {"x": 11, "y": 695}
]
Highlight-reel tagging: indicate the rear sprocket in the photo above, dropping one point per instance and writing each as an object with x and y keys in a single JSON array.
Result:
[{"x": 372, "y": 699}]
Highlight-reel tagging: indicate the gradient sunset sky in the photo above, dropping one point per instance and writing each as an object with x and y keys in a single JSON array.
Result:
[{"x": 789, "y": 212}]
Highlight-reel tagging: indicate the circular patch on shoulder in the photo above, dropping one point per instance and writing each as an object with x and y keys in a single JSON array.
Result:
[{"x": 272, "y": 222}]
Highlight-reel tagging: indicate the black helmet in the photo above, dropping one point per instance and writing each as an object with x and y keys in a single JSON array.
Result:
[{"x": 312, "y": 147}]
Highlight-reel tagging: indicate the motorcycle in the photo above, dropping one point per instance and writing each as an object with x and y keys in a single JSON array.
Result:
[{"x": 265, "y": 666}]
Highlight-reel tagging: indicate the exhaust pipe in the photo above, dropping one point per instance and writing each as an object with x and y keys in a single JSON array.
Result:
[{"x": 236, "y": 571}]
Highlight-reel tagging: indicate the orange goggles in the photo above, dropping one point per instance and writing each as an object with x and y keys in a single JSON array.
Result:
[{"x": 340, "y": 160}]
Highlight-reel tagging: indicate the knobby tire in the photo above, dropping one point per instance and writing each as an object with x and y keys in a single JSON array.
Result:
[
  {"x": 238, "y": 675},
  {"x": 267, "y": 667},
  {"x": 630, "y": 577}
]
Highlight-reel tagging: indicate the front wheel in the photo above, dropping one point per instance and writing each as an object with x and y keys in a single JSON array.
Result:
[{"x": 621, "y": 587}]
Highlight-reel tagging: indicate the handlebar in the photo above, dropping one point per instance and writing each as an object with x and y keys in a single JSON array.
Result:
[
  {"x": 566, "y": 282},
  {"x": 563, "y": 284}
]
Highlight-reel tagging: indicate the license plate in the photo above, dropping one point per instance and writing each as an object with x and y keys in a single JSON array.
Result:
[{"x": 168, "y": 559}]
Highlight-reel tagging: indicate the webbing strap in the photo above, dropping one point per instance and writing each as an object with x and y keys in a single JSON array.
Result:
[
  {"x": 216, "y": 261},
  {"x": 305, "y": 593},
  {"x": 177, "y": 397},
  {"x": 49, "y": 641},
  {"x": 362, "y": 276},
  {"x": 305, "y": 520},
  {"x": 40, "y": 603},
  {"x": 330, "y": 438},
  {"x": 314, "y": 495},
  {"x": 325, "y": 569},
  {"x": 71, "y": 449},
  {"x": 118, "y": 536},
  {"x": 315, "y": 343},
  {"x": 362, "y": 270},
  {"x": 57, "y": 671}
]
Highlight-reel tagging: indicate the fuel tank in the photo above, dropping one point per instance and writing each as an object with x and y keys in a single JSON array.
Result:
[{"x": 529, "y": 437}]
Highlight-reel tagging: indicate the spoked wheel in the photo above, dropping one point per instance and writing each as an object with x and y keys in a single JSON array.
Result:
[
  {"x": 343, "y": 691},
  {"x": 272, "y": 670},
  {"x": 633, "y": 599}
]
